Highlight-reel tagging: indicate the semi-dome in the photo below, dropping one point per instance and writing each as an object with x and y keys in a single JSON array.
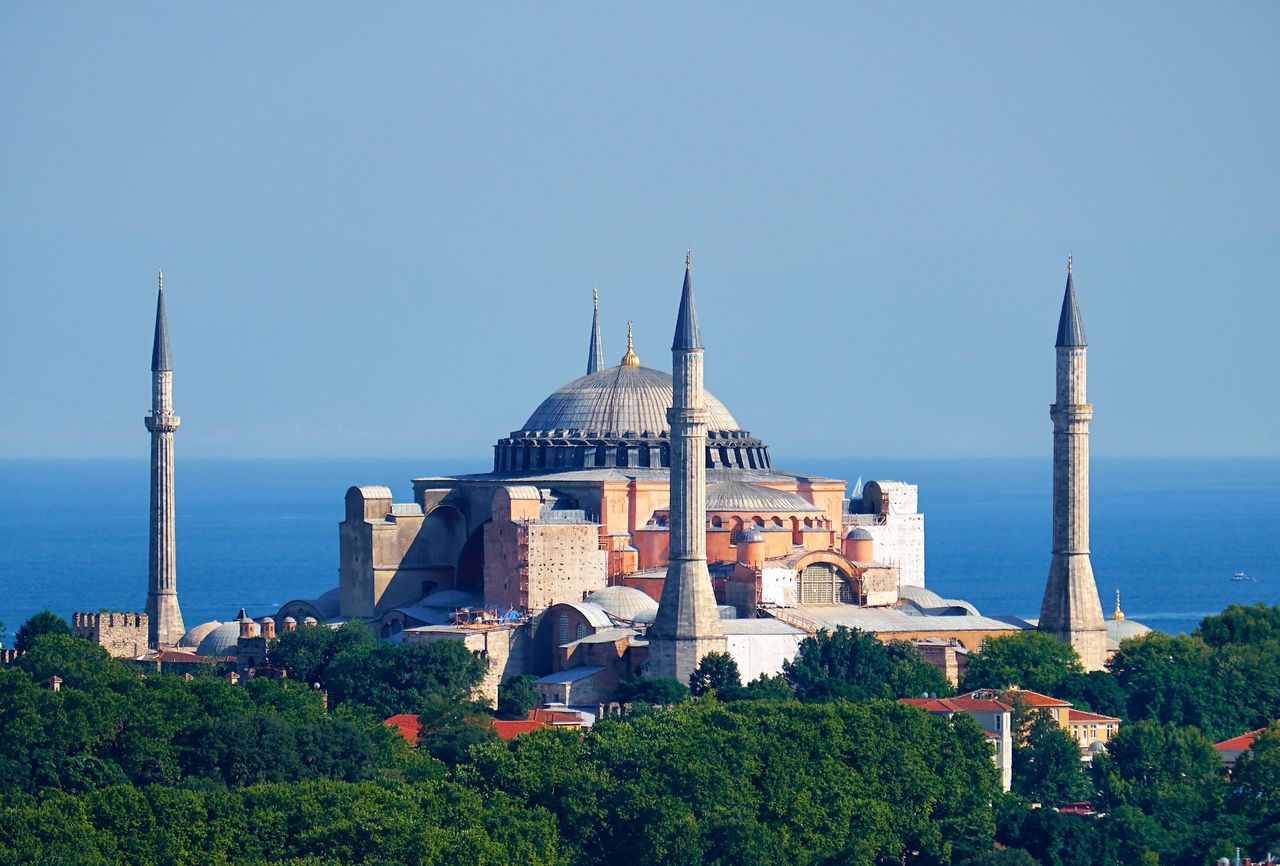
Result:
[
  {"x": 192, "y": 638},
  {"x": 220, "y": 641},
  {"x": 618, "y": 418},
  {"x": 623, "y": 602},
  {"x": 615, "y": 401},
  {"x": 742, "y": 496}
]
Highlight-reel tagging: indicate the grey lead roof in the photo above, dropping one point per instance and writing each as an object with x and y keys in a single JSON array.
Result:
[
  {"x": 618, "y": 400},
  {"x": 160, "y": 357},
  {"x": 1070, "y": 325},
  {"x": 687, "y": 335},
  {"x": 735, "y": 495}
]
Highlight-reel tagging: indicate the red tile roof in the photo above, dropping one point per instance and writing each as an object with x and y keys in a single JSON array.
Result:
[
  {"x": 509, "y": 730},
  {"x": 1242, "y": 743},
  {"x": 1035, "y": 699},
  {"x": 1082, "y": 716},
  {"x": 962, "y": 704},
  {"x": 180, "y": 656},
  {"x": 408, "y": 727}
]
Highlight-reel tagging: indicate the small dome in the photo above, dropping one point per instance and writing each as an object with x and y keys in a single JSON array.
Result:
[
  {"x": 311, "y": 620},
  {"x": 290, "y": 620},
  {"x": 1122, "y": 629},
  {"x": 220, "y": 641},
  {"x": 751, "y": 534},
  {"x": 859, "y": 533},
  {"x": 623, "y": 602},
  {"x": 192, "y": 638}
]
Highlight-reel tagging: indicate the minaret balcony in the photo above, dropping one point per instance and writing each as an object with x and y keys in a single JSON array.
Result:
[{"x": 162, "y": 423}]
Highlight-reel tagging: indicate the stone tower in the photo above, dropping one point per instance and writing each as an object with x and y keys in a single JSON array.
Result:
[
  {"x": 595, "y": 352},
  {"x": 164, "y": 617},
  {"x": 687, "y": 624},
  {"x": 1071, "y": 610}
]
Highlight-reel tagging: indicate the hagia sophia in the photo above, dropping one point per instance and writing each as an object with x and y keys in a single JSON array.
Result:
[{"x": 630, "y": 525}]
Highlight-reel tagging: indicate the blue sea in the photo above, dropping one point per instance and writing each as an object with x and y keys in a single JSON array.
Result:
[{"x": 1169, "y": 534}]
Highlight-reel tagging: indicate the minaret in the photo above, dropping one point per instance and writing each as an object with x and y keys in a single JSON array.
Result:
[
  {"x": 1071, "y": 610},
  {"x": 165, "y": 619},
  {"x": 687, "y": 625},
  {"x": 595, "y": 353}
]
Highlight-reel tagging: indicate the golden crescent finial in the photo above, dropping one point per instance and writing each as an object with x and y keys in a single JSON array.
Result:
[
  {"x": 1119, "y": 614},
  {"x": 630, "y": 359}
]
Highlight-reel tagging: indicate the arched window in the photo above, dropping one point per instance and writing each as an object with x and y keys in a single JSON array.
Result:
[
  {"x": 564, "y": 629},
  {"x": 582, "y": 630}
]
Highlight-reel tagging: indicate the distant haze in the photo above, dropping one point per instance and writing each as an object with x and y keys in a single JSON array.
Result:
[{"x": 381, "y": 224}]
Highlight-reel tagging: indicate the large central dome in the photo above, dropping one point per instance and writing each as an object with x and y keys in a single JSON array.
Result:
[
  {"x": 615, "y": 402},
  {"x": 617, "y": 418}
]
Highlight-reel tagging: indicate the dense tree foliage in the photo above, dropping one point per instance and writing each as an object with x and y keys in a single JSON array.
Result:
[
  {"x": 757, "y": 783},
  {"x": 1046, "y": 763},
  {"x": 655, "y": 691},
  {"x": 108, "y": 726},
  {"x": 851, "y": 665},
  {"x": 1238, "y": 624},
  {"x": 118, "y": 767},
  {"x": 42, "y": 623},
  {"x": 1026, "y": 659},
  {"x": 306, "y": 824},
  {"x": 516, "y": 697},
  {"x": 716, "y": 672},
  {"x": 355, "y": 667}
]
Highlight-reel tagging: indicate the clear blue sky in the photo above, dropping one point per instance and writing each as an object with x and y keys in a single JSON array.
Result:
[{"x": 381, "y": 223}]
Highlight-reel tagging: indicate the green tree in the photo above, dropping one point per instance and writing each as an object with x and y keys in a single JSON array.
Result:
[
  {"x": 1255, "y": 790},
  {"x": 306, "y": 653},
  {"x": 516, "y": 697},
  {"x": 1026, "y": 659},
  {"x": 42, "y": 623},
  {"x": 1046, "y": 764},
  {"x": 1096, "y": 691},
  {"x": 768, "y": 688},
  {"x": 852, "y": 665},
  {"x": 1176, "y": 679},
  {"x": 1239, "y": 624},
  {"x": 1172, "y": 776},
  {"x": 655, "y": 691},
  {"x": 718, "y": 672}
]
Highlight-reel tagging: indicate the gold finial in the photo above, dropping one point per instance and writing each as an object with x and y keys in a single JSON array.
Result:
[
  {"x": 688, "y": 258},
  {"x": 1068, "y": 263},
  {"x": 630, "y": 359},
  {"x": 1119, "y": 614},
  {"x": 160, "y": 277}
]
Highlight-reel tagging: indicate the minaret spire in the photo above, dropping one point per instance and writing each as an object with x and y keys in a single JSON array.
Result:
[
  {"x": 595, "y": 352},
  {"x": 1071, "y": 610},
  {"x": 164, "y": 617},
  {"x": 687, "y": 624}
]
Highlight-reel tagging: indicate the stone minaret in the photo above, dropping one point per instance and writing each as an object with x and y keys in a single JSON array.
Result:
[
  {"x": 165, "y": 626},
  {"x": 1071, "y": 610},
  {"x": 595, "y": 353},
  {"x": 687, "y": 625}
]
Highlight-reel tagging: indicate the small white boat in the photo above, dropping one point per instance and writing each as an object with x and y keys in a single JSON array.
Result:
[{"x": 1241, "y": 577}]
